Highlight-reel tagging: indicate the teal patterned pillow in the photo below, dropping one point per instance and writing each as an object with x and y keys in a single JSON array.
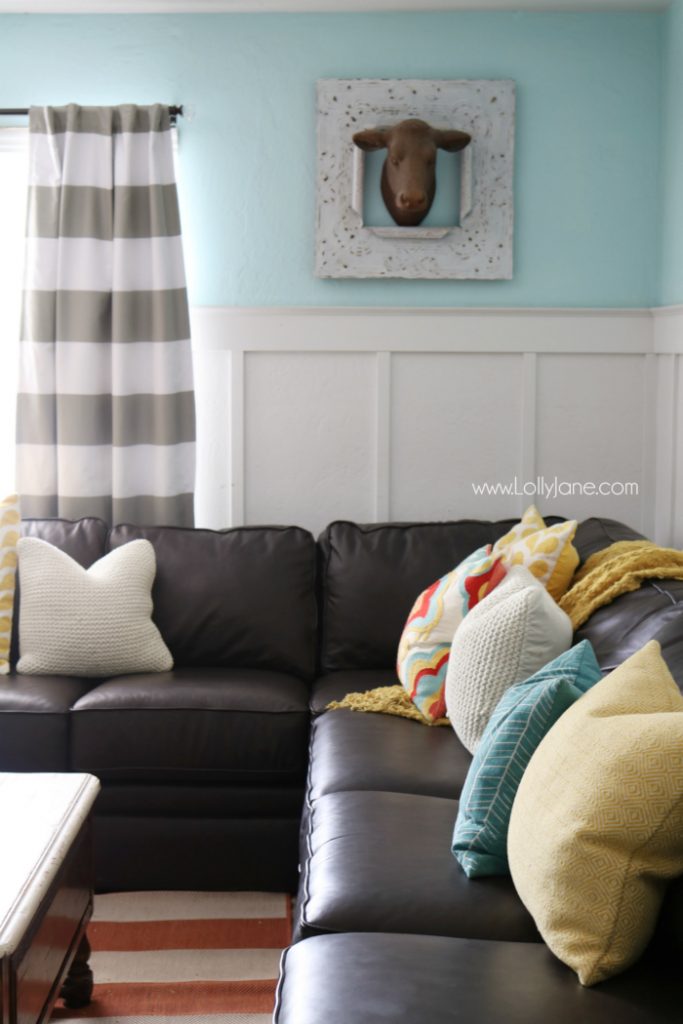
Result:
[{"x": 523, "y": 716}]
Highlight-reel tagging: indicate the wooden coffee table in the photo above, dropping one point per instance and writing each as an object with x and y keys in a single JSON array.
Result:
[{"x": 46, "y": 893}]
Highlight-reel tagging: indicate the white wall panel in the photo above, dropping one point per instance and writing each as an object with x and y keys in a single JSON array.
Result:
[
  {"x": 668, "y": 347},
  {"x": 675, "y": 454},
  {"x": 214, "y": 430},
  {"x": 590, "y": 428},
  {"x": 306, "y": 415},
  {"x": 456, "y": 420},
  {"x": 666, "y": 404},
  {"x": 310, "y": 437}
]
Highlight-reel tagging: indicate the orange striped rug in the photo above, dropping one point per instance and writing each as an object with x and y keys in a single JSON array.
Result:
[{"x": 185, "y": 957}]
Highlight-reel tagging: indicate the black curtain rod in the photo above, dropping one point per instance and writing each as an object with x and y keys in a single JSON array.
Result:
[{"x": 174, "y": 112}]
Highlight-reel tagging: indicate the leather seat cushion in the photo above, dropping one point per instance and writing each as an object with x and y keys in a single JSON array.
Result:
[
  {"x": 355, "y": 751},
  {"x": 335, "y": 685},
  {"x": 211, "y": 725},
  {"x": 382, "y": 862},
  {"x": 375, "y": 979},
  {"x": 34, "y": 721}
]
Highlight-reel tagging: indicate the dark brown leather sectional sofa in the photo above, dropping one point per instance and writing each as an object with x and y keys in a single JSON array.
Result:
[
  {"x": 202, "y": 768},
  {"x": 206, "y": 769},
  {"x": 387, "y": 926}
]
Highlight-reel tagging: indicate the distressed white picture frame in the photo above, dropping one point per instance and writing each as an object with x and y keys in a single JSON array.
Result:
[{"x": 480, "y": 246}]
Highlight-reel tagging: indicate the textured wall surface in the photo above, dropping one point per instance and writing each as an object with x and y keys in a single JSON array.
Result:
[
  {"x": 376, "y": 414},
  {"x": 671, "y": 266},
  {"x": 587, "y": 147}
]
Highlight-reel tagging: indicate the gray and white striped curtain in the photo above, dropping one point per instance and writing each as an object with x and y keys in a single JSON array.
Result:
[{"x": 105, "y": 411}]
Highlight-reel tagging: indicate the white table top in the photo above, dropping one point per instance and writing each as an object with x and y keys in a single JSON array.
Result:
[{"x": 40, "y": 816}]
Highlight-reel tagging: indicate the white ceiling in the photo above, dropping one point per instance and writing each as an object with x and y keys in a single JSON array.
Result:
[{"x": 242, "y": 6}]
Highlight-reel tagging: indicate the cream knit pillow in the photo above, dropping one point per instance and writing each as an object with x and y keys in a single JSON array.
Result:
[
  {"x": 88, "y": 622},
  {"x": 516, "y": 630}
]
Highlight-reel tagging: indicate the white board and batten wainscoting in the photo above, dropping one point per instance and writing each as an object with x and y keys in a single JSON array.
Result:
[{"x": 306, "y": 415}]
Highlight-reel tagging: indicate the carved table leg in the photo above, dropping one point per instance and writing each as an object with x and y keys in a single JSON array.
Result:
[{"x": 78, "y": 984}]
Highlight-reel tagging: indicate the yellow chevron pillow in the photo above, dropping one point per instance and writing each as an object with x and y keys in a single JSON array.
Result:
[
  {"x": 597, "y": 824},
  {"x": 9, "y": 535},
  {"x": 546, "y": 551}
]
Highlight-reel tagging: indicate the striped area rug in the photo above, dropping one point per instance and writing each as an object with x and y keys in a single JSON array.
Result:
[{"x": 185, "y": 957}]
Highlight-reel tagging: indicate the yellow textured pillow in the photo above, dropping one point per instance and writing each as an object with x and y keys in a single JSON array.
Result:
[
  {"x": 597, "y": 824},
  {"x": 9, "y": 535},
  {"x": 546, "y": 551}
]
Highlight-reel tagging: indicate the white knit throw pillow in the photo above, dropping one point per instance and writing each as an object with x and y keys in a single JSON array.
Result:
[
  {"x": 512, "y": 633},
  {"x": 88, "y": 622}
]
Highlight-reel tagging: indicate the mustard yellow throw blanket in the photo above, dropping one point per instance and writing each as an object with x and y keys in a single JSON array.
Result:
[
  {"x": 385, "y": 700},
  {"x": 616, "y": 570},
  {"x": 604, "y": 576}
]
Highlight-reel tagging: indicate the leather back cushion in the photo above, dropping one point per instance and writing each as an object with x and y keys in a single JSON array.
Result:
[
  {"x": 371, "y": 575},
  {"x": 653, "y": 612},
  {"x": 242, "y": 597},
  {"x": 83, "y": 539},
  {"x": 595, "y": 534}
]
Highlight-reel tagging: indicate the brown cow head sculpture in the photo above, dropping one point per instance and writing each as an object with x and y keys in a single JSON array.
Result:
[{"x": 409, "y": 171}]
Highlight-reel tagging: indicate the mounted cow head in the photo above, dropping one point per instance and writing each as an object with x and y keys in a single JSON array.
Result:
[{"x": 409, "y": 171}]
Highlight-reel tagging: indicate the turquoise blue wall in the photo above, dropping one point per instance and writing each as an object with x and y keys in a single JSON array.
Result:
[
  {"x": 587, "y": 148},
  {"x": 671, "y": 267}
]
